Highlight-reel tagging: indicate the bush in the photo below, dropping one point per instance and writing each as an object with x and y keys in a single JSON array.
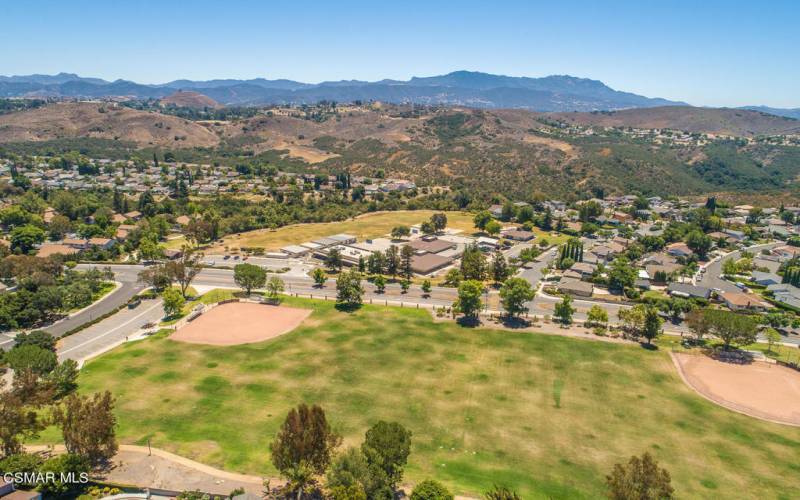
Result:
[
  {"x": 431, "y": 490},
  {"x": 22, "y": 462},
  {"x": 64, "y": 464}
]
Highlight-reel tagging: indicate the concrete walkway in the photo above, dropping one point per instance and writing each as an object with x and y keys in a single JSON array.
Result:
[{"x": 155, "y": 468}]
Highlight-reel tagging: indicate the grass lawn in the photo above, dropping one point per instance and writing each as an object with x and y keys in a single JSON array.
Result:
[
  {"x": 546, "y": 415},
  {"x": 211, "y": 297},
  {"x": 371, "y": 225},
  {"x": 779, "y": 352}
]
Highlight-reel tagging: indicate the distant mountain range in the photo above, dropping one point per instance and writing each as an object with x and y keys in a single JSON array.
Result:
[
  {"x": 460, "y": 88},
  {"x": 557, "y": 93},
  {"x": 787, "y": 112}
]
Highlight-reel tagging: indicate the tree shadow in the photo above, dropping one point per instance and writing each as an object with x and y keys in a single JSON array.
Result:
[
  {"x": 469, "y": 321},
  {"x": 347, "y": 307},
  {"x": 515, "y": 322}
]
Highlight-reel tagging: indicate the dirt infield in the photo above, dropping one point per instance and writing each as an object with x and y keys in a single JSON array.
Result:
[
  {"x": 762, "y": 390},
  {"x": 241, "y": 323}
]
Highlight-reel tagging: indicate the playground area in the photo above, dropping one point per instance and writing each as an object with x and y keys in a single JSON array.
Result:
[
  {"x": 759, "y": 389},
  {"x": 238, "y": 323}
]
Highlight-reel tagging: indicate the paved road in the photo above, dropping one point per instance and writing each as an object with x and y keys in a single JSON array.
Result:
[
  {"x": 711, "y": 277},
  {"x": 533, "y": 272},
  {"x": 110, "y": 302},
  {"x": 109, "y": 332},
  {"x": 303, "y": 285},
  {"x": 127, "y": 277}
]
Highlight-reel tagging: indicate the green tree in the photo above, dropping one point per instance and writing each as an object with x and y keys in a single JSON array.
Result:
[
  {"x": 773, "y": 337},
  {"x": 652, "y": 324},
  {"x": 564, "y": 310},
  {"x": 88, "y": 426},
  {"x": 399, "y": 232},
  {"x": 64, "y": 378},
  {"x": 633, "y": 320},
  {"x": 31, "y": 357},
  {"x": 731, "y": 328},
  {"x": 426, "y": 288},
  {"x": 493, "y": 227},
  {"x": 350, "y": 469},
  {"x": 18, "y": 422},
  {"x": 639, "y": 479},
  {"x": 621, "y": 275},
  {"x": 58, "y": 227},
  {"x": 319, "y": 277},
  {"x": 406, "y": 258},
  {"x": 473, "y": 264},
  {"x": 481, "y": 219},
  {"x": 38, "y": 338},
  {"x": 698, "y": 323},
  {"x": 392, "y": 261},
  {"x": 431, "y": 490},
  {"x": 334, "y": 260},
  {"x": 386, "y": 448},
  {"x": 150, "y": 250},
  {"x": 303, "y": 446},
  {"x": 380, "y": 283},
  {"x": 500, "y": 269},
  {"x": 453, "y": 278},
  {"x": 597, "y": 316},
  {"x": 173, "y": 302},
  {"x": 157, "y": 277},
  {"x": 185, "y": 269},
  {"x": 699, "y": 243},
  {"x": 469, "y": 299},
  {"x": 275, "y": 287},
  {"x": 439, "y": 221},
  {"x": 349, "y": 291},
  {"x": 25, "y": 238},
  {"x": 249, "y": 276},
  {"x": 514, "y": 293}
]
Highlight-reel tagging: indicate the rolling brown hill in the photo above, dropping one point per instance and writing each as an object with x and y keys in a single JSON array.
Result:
[
  {"x": 721, "y": 121},
  {"x": 190, "y": 99},
  {"x": 510, "y": 152},
  {"x": 105, "y": 121}
]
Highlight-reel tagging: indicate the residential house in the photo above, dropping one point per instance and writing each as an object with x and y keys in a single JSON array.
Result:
[
  {"x": 518, "y": 235},
  {"x": 738, "y": 301},
  {"x": 765, "y": 279},
  {"x": 679, "y": 249},
  {"x": 687, "y": 290},
  {"x": 575, "y": 287}
]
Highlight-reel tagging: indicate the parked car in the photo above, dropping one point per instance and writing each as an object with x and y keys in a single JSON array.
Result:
[{"x": 133, "y": 304}]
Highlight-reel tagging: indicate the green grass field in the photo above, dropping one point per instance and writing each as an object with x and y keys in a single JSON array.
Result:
[{"x": 546, "y": 415}]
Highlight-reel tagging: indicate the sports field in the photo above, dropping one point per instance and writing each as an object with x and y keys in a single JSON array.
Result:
[
  {"x": 371, "y": 225},
  {"x": 546, "y": 415}
]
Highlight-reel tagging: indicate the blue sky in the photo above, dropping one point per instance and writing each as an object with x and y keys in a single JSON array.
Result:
[{"x": 708, "y": 52}]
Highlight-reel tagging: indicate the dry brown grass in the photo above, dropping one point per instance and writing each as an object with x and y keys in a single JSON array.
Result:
[
  {"x": 104, "y": 121},
  {"x": 366, "y": 226}
]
